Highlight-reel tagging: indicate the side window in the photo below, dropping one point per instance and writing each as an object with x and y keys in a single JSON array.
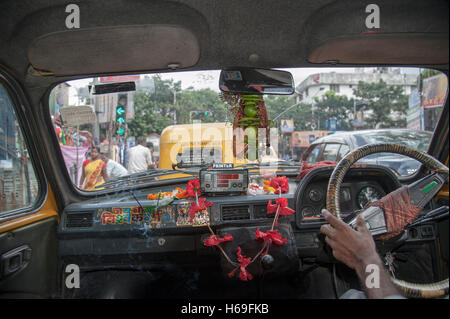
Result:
[
  {"x": 18, "y": 184},
  {"x": 342, "y": 152},
  {"x": 313, "y": 155},
  {"x": 330, "y": 152}
]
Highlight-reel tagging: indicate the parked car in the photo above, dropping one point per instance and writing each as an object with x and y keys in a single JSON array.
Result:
[{"x": 335, "y": 146}]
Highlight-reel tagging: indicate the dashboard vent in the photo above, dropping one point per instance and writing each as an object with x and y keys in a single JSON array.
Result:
[
  {"x": 235, "y": 212},
  {"x": 260, "y": 211},
  {"x": 78, "y": 220}
]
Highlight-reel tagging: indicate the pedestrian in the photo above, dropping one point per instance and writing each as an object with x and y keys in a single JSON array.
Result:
[
  {"x": 113, "y": 169},
  {"x": 139, "y": 157},
  {"x": 152, "y": 150},
  {"x": 94, "y": 171}
]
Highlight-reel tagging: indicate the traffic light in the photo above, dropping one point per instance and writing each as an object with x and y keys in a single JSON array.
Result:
[
  {"x": 121, "y": 111},
  {"x": 198, "y": 115}
]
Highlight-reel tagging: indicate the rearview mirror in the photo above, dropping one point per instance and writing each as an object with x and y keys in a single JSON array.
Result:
[
  {"x": 113, "y": 88},
  {"x": 256, "y": 81}
]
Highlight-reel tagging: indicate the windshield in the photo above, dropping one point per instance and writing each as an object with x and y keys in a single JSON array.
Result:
[
  {"x": 415, "y": 139},
  {"x": 181, "y": 120}
]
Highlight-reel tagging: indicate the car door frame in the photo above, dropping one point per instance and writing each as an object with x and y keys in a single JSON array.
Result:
[{"x": 28, "y": 234}]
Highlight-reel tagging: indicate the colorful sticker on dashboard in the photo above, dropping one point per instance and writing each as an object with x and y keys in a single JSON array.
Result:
[
  {"x": 125, "y": 215},
  {"x": 184, "y": 219},
  {"x": 154, "y": 217}
]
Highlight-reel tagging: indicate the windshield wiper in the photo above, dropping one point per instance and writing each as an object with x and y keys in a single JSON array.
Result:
[
  {"x": 281, "y": 164},
  {"x": 139, "y": 178}
]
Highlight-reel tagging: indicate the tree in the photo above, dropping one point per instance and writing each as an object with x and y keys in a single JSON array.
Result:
[
  {"x": 153, "y": 111},
  {"x": 204, "y": 100},
  {"x": 148, "y": 116},
  {"x": 301, "y": 114},
  {"x": 386, "y": 105},
  {"x": 331, "y": 106}
]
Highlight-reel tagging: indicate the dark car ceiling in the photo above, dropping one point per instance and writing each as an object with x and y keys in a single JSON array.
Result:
[{"x": 280, "y": 33}]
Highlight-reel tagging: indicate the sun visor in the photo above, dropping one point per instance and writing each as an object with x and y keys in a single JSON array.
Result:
[
  {"x": 404, "y": 32},
  {"x": 115, "y": 49},
  {"x": 383, "y": 49}
]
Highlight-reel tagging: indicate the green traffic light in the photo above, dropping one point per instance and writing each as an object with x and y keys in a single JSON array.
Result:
[
  {"x": 120, "y": 131},
  {"x": 120, "y": 110},
  {"x": 120, "y": 120}
]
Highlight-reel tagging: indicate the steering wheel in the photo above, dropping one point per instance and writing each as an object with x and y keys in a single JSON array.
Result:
[{"x": 333, "y": 200}]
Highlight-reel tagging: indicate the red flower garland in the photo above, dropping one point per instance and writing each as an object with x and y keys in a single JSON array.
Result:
[
  {"x": 271, "y": 236},
  {"x": 281, "y": 185},
  {"x": 214, "y": 240},
  {"x": 282, "y": 202},
  {"x": 283, "y": 209},
  {"x": 243, "y": 263},
  {"x": 197, "y": 207},
  {"x": 193, "y": 187},
  {"x": 280, "y": 182}
]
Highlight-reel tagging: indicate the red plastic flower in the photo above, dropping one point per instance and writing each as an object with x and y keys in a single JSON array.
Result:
[
  {"x": 193, "y": 187},
  {"x": 243, "y": 263},
  {"x": 282, "y": 202},
  {"x": 280, "y": 182},
  {"x": 271, "y": 236},
  {"x": 214, "y": 240},
  {"x": 198, "y": 207},
  {"x": 283, "y": 210}
]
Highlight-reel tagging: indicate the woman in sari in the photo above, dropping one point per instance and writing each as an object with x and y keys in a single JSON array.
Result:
[{"x": 94, "y": 171}]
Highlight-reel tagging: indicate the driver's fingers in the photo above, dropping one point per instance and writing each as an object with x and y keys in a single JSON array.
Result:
[
  {"x": 361, "y": 223},
  {"x": 330, "y": 242},
  {"x": 333, "y": 221},
  {"x": 328, "y": 231}
]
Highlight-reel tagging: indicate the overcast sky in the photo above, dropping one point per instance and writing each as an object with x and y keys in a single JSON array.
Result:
[{"x": 210, "y": 79}]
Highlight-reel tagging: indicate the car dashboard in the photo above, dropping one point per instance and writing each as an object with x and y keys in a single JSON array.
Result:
[
  {"x": 127, "y": 231},
  {"x": 127, "y": 222}
]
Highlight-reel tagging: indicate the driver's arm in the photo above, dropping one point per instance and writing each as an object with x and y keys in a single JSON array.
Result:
[{"x": 356, "y": 249}]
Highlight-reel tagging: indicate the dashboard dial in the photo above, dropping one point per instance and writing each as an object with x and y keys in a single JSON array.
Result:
[
  {"x": 367, "y": 195},
  {"x": 345, "y": 194},
  {"x": 309, "y": 213},
  {"x": 315, "y": 195}
]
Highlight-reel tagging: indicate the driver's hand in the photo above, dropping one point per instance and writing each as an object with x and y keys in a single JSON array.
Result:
[{"x": 355, "y": 248}]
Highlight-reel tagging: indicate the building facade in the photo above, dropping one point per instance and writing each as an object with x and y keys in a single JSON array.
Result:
[{"x": 317, "y": 84}]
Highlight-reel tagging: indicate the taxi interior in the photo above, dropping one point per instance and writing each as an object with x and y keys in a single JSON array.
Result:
[{"x": 38, "y": 51}]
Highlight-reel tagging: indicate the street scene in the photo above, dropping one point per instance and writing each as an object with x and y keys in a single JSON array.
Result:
[{"x": 356, "y": 99}]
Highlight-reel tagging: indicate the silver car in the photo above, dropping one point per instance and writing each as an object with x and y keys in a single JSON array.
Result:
[{"x": 335, "y": 146}]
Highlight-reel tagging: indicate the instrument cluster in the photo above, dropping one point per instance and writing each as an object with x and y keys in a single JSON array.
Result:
[{"x": 353, "y": 197}]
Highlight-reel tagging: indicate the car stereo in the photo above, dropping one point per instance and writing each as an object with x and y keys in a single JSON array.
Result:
[{"x": 223, "y": 181}]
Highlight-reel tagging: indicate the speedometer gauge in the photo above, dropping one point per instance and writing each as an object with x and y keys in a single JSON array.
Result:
[
  {"x": 367, "y": 195},
  {"x": 309, "y": 213},
  {"x": 315, "y": 195}
]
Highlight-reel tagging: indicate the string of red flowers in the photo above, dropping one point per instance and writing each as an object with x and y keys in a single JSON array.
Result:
[
  {"x": 193, "y": 191},
  {"x": 281, "y": 184}
]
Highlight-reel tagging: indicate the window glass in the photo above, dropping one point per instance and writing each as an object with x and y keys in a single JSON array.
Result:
[
  {"x": 330, "y": 152},
  {"x": 18, "y": 184},
  {"x": 342, "y": 152},
  {"x": 176, "y": 112},
  {"x": 314, "y": 154}
]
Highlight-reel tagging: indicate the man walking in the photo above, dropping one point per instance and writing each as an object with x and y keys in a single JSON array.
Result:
[
  {"x": 113, "y": 169},
  {"x": 139, "y": 157}
]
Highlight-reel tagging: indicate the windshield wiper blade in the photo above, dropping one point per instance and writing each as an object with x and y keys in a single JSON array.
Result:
[
  {"x": 143, "y": 176},
  {"x": 274, "y": 164}
]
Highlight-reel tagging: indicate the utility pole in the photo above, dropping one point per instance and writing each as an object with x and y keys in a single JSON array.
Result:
[{"x": 174, "y": 106}]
